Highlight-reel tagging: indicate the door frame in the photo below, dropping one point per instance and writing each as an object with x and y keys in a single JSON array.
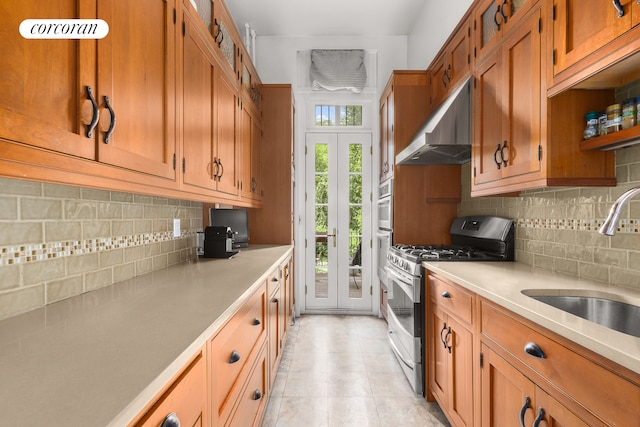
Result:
[{"x": 305, "y": 109}]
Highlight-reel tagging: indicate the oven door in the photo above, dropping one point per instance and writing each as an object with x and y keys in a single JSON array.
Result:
[
  {"x": 385, "y": 205},
  {"x": 384, "y": 243},
  {"x": 405, "y": 314}
]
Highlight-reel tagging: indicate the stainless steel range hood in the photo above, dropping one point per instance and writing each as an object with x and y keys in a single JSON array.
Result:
[{"x": 445, "y": 137}]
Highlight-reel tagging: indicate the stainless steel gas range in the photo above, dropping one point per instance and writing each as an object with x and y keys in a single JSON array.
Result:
[{"x": 473, "y": 238}]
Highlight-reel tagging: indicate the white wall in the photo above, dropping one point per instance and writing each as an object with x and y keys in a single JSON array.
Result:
[
  {"x": 431, "y": 29},
  {"x": 276, "y": 59}
]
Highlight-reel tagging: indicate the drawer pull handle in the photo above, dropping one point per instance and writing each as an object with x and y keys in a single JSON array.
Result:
[
  {"x": 171, "y": 420},
  {"x": 446, "y": 294},
  {"x": 527, "y": 402},
  {"x": 534, "y": 350},
  {"x": 618, "y": 6},
  {"x": 539, "y": 418},
  {"x": 256, "y": 322},
  {"x": 442, "y": 338},
  {"x": 235, "y": 356},
  {"x": 257, "y": 395}
]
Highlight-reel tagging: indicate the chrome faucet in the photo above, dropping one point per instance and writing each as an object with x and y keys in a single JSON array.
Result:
[{"x": 610, "y": 224}]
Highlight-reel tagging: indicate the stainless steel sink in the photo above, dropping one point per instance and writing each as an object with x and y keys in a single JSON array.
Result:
[{"x": 616, "y": 315}]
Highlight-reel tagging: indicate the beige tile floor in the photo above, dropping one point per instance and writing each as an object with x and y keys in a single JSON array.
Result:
[{"x": 339, "y": 371}]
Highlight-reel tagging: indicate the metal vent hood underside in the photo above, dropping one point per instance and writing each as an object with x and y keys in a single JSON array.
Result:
[{"x": 445, "y": 137}]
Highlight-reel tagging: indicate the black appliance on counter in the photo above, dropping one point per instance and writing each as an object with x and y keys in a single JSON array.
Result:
[
  {"x": 218, "y": 242},
  {"x": 473, "y": 238}
]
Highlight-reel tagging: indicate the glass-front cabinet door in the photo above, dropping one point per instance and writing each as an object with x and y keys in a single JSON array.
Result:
[{"x": 493, "y": 18}]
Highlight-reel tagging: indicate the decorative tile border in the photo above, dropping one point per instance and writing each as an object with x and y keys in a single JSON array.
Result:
[
  {"x": 625, "y": 226},
  {"x": 21, "y": 254}
]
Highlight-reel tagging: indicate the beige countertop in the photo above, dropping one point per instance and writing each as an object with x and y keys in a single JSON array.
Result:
[
  {"x": 504, "y": 282},
  {"x": 97, "y": 359}
]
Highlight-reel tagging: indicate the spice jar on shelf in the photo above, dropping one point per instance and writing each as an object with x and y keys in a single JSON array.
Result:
[
  {"x": 629, "y": 113},
  {"x": 591, "y": 131},
  {"x": 614, "y": 118}
]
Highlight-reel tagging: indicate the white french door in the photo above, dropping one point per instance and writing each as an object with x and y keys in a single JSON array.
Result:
[{"x": 338, "y": 222}]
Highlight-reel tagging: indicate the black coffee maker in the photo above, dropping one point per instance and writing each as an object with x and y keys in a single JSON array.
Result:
[{"x": 218, "y": 242}]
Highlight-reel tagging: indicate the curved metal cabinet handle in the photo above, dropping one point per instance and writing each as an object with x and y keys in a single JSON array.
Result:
[
  {"x": 495, "y": 18},
  {"x": 257, "y": 395},
  {"x": 495, "y": 157},
  {"x": 446, "y": 339},
  {"x": 504, "y": 17},
  {"x": 235, "y": 356},
  {"x": 220, "y": 169},
  {"x": 523, "y": 411},
  {"x": 95, "y": 113},
  {"x": 539, "y": 418},
  {"x": 534, "y": 350},
  {"x": 171, "y": 420},
  {"x": 442, "y": 339},
  {"x": 618, "y": 6},
  {"x": 504, "y": 161},
  {"x": 112, "y": 125}
]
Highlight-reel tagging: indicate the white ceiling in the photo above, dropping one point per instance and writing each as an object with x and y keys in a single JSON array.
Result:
[{"x": 326, "y": 17}]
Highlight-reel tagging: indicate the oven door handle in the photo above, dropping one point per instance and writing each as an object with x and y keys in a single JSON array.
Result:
[{"x": 399, "y": 354}]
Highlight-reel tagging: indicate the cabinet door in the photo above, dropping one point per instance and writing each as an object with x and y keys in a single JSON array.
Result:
[
  {"x": 137, "y": 86},
  {"x": 521, "y": 103},
  {"x": 579, "y": 29},
  {"x": 487, "y": 121},
  {"x": 275, "y": 307},
  {"x": 224, "y": 38},
  {"x": 43, "y": 83},
  {"x": 227, "y": 139},
  {"x": 460, "y": 406},
  {"x": 439, "y": 80},
  {"x": 386, "y": 135},
  {"x": 488, "y": 26},
  {"x": 506, "y": 396},
  {"x": 438, "y": 358},
  {"x": 459, "y": 54},
  {"x": 246, "y": 129},
  {"x": 256, "y": 163},
  {"x": 198, "y": 130}
]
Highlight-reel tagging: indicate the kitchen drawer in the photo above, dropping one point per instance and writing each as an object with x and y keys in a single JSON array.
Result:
[
  {"x": 185, "y": 398},
  {"x": 604, "y": 393},
  {"x": 233, "y": 348},
  {"x": 452, "y": 298},
  {"x": 254, "y": 396},
  {"x": 273, "y": 281}
]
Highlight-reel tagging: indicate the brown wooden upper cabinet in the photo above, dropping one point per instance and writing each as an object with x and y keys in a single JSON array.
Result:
[
  {"x": 226, "y": 38},
  {"x": 208, "y": 114},
  {"x": 54, "y": 106},
  {"x": 493, "y": 18},
  {"x": 452, "y": 64},
  {"x": 112, "y": 99},
  {"x": 507, "y": 103},
  {"x": 580, "y": 29},
  {"x": 136, "y": 86}
]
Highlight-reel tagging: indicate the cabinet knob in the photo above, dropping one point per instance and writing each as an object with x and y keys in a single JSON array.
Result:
[
  {"x": 534, "y": 350},
  {"x": 275, "y": 300},
  {"x": 446, "y": 294},
  {"x": 171, "y": 420},
  {"x": 257, "y": 395},
  {"x": 235, "y": 356},
  {"x": 256, "y": 322}
]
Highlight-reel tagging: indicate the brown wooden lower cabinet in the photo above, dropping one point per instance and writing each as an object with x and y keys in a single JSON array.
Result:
[
  {"x": 184, "y": 400},
  {"x": 450, "y": 349},
  {"x": 481, "y": 374}
]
